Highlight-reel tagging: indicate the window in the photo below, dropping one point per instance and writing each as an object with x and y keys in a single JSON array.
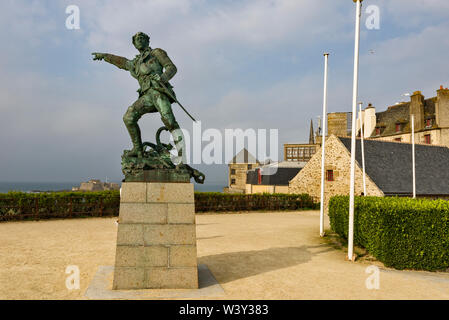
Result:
[
  {"x": 377, "y": 131},
  {"x": 429, "y": 123},
  {"x": 427, "y": 139},
  {"x": 306, "y": 153},
  {"x": 398, "y": 127},
  {"x": 232, "y": 171},
  {"x": 330, "y": 175},
  {"x": 250, "y": 166},
  {"x": 232, "y": 181},
  {"x": 398, "y": 139}
]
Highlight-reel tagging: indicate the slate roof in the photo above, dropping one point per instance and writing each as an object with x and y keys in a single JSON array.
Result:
[
  {"x": 401, "y": 113},
  {"x": 244, "y": 157},
  {"x": 389, "y": 165},
  {"x": 280, "y": 177}
]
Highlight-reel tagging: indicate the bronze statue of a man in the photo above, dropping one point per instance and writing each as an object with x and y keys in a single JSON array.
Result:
[{"x": 153, "y": 69}]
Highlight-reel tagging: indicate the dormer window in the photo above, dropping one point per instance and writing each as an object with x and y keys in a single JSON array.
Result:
[
  {"x": 398, "y": 127},
  {"x": 428, "y": 123},
  {"x": 377, "y": 131}
]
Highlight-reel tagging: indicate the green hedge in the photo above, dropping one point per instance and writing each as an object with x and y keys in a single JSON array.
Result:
[
  {"x": 216, "y": 202},
  {"x": 403, "y": 233},
  {"x": 22, "y": 206}
]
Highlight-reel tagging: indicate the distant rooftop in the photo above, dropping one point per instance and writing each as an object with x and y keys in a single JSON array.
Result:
[
  {"x": 244, "y": 157},
  {"x": 389, "y": 165}
]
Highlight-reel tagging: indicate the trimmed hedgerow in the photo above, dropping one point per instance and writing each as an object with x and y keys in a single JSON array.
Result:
[
  {"x": 23, "y": 206},
  {"x": 403, "y": 233},
  {"x": 216, "y": 202}
]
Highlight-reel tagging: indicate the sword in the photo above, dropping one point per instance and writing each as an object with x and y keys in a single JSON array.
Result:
[{"x": 176, "y": 100}]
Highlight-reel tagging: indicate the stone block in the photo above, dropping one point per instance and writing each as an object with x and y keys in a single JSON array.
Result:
[
  {"x": 133, "y": 192},
  {"x": 129, "y": 256},
  {"x": 182, "y": 256},
  {"x": 171, "y": 278},
  {"x": 155, "y": 256},
  {"x": 169, "y": 234},
  {"x": 130, "y": 234},
  {"x": 170, "y": 192},
  {"x": 181, "y": 213},
  {"x": 129, "y": 278},
  {"x": 143, "y": 213}
]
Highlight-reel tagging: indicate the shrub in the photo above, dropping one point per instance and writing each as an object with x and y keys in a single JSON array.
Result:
[
  {"x": 403, "y": 233},
  {"x": 216, "y": 201},
  {"x": 20, "y": 205}
]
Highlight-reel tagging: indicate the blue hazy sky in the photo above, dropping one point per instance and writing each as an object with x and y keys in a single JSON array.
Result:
[{"x": 241, "y": 64}]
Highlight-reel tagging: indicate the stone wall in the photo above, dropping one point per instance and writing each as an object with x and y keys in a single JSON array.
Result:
[
  {"x": 442, "y": 108},
  {"x": 337, "y": 123},
  {"x": 239, "y": 175},
  {"x": 437, "y": 137},
  {"x": 252, "y": 188},
  {"x": 338, "y": 159}
]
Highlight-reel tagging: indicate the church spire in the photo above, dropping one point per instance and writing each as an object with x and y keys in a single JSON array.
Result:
[{"x": 311, "y": 135}]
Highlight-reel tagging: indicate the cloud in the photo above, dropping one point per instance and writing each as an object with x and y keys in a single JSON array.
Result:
[
  {"x": 242, "y": 64},
  {"x": 404, "y": 64}
]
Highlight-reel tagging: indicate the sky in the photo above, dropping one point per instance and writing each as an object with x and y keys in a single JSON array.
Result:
[{"x": 241, "y": 64}]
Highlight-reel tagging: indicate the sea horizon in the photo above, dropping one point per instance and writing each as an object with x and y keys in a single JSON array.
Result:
[{"x": 43, "y": 186}]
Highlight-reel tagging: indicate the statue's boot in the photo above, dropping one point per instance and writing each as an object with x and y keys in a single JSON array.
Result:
[{"x": 137, "y": 150}]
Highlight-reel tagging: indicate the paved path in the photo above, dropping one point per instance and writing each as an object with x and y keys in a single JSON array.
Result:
[{"x": 253, "y": 256}]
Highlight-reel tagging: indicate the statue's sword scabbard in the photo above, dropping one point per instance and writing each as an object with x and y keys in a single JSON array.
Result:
[{"x": 176, "y": 100}]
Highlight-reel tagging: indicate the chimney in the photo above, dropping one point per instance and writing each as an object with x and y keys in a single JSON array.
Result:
[
  {"x": 370, "y": 120},
  {"x": 442, "y": 107},
  {"x": 417, "y": 109}
]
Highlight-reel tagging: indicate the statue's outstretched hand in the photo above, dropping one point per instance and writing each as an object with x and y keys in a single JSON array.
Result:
[{"x": 98, "y": 56}]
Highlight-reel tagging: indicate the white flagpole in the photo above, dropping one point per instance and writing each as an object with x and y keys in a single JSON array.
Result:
[
  {"x": 323, "y": 144},
  {"x": 362, "y": 132},
  {"x": 353, "y": 145},
  {"x": 413, "y": 156}
]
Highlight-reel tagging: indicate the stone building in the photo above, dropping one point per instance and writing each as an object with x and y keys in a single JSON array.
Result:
[
  {"x": 239, "y": 165},
  {"x": 431, "y": 117},
  {"x": 301, "y": 152},
  {"x": 339, "y": 123},
  {"x": 273, "y": 177},
  {"x": 388, "y": 170},
  {"x": 96, "y": 185}
]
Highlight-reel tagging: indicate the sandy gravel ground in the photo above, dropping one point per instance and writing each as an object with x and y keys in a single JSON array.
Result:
[{"x": 252, "y": 255}]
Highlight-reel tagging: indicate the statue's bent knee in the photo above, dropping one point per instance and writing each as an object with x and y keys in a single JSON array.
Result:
[{"x": 129, "y": 118}]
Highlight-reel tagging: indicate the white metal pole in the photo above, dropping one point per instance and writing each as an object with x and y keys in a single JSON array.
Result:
[
  {"x": 413, "y": 156},
  {"x": 362, "y": 133},
  {"x": 323, "y": 144},
  {"x": 353, "y": 145}
]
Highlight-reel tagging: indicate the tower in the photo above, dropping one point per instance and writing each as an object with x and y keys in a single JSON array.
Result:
[{"x": 311, "y": 135}]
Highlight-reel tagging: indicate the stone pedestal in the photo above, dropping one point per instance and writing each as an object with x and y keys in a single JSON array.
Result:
[{"x": 156, "y": 239}]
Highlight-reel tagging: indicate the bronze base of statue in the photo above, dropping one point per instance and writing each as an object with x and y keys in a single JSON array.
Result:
[{"x": 156, "y": 165}]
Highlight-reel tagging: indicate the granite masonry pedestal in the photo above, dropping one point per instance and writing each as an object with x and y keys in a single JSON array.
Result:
[{"x": 156, "y": 239}]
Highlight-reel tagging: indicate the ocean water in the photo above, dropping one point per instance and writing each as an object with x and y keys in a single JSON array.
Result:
[
  {"x": 37, "y": 186},
  {"x": 67, "y": 186}
]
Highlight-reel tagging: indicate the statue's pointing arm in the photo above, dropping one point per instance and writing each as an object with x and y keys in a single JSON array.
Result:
[
  {"x": 119, "y": 62},
  {"x": 169, "y": 68}
]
